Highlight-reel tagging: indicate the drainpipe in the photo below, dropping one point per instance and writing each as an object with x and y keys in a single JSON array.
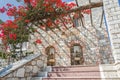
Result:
[
  {"x": 106, "y": 24},
  {"x": 119, "y": 2}
]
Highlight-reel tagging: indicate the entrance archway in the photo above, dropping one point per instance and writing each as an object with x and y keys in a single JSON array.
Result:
[
  {"x": 76, "y": 54},
  {"x": 50, "y": 51}
]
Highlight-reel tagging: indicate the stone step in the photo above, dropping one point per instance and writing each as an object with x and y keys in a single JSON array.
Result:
[
  {"x": 42, "y": 74},
  {"x": 74, "y": 74},
  {"x": 79, "y": 79},
  {"x": 71, "y": 78},
  {"x": 75, "y": 68},
  {"x": 75, "y": 78},
  {"x": 36, "y": 78},
  {"x": 47, "y": 69}
]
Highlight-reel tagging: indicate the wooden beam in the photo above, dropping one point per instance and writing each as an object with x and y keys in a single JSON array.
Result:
[
  {"x": 79, "y": 13},
  {"x": 54, "y": 14},
  {"x": 91, "y": 16},
  {"x": 91, "y": 5}
]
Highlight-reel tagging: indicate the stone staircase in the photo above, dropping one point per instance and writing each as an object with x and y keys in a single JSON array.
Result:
[{"x": 72, "y": 73}]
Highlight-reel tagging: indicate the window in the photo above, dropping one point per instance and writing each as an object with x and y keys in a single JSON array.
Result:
[
  {"x": 76, "y": 55},
  {"x": 76, "y": 22},
  {"x": 50, "y": 51}
]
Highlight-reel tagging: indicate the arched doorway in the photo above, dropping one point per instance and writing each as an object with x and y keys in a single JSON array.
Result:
[
  {"x": 50, "y": 51},
  {"x": 76, "y": 55}
]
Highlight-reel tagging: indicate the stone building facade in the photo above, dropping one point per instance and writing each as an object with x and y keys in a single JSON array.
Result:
[
  {"x": 96, "y": 45},
  {"x": 112, "y": 12},
  {"x": 92, "y": 40}
]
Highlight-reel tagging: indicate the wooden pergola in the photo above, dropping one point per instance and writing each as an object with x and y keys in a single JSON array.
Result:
[
  {"x": 35, "y": 20},
  {"x": 78, "y": 9}
]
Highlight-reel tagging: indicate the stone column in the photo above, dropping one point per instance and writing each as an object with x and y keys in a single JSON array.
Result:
[{"x": 112, "y": 15}]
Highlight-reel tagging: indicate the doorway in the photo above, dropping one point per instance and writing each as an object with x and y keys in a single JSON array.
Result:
[
  {"x": 50, "y": 51},
  {"x": 76, "y": 55}
]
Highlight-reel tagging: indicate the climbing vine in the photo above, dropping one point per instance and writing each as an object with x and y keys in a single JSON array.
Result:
[{"x": 36, "y": 14}]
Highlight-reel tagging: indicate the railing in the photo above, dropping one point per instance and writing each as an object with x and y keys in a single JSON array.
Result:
[
  {"x": 12, "y": 58},
  {"x": 9, "y": 69}
]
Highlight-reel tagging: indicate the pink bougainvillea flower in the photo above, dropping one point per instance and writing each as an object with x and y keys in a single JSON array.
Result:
[
  {"x": 49, "y": 23},
  {"x": 34, "y": 2},
  {"x": 31, "y": 2},
  {"x": 38, "y": 41},
  {"x": 4, "y": 38},
  {"x": 87, "y": 11},
  {"x": 18, "y": 19},
  {"x": 27, "y": 21},
  {"x": 71, "y": 5},
  {"x": 9, "y": 13},
  {"x": 9, "y": 5},
  {"x": 42, "y": 27},
  {"x": 12, "y": 36},
  {"x": 2, "y": 10},
  {"x": 12, "y": 11},
  {"x": 57, "y": 21},
  {"x": 26, "y": 1},
  {"x": 9, "y": 24},
  {"x": 21, "y": 13},
  {"x": 1, "y": 33}
]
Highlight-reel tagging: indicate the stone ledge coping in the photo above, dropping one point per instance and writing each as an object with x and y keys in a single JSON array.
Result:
[
  {"x": 84, "y": 77},
  {"x": 72, "y": 66},
  {"x": 107, "y": 64},
  {"x": 107, "y": 67},
  {"x": 8, "y": 69},
  {"x": 117, "y": 63}
]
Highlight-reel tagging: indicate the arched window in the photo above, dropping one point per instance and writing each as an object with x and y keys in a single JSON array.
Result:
[
  {"x": 50, "y": 51},
  {"x": 76, "y": 55},
  {"x": 77, "y": 21}
]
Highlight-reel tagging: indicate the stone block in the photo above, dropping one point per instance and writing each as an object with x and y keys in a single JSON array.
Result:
[
  {"x": 20, "y": 72},
  {"x": 10, "y": 79},
  {"x": 22, "y": 79},
  {"x": 40, "y": 63},
  {"x": 33, "y": 63},
  {"x": 28, "y": 68},
  {"x": 10, "y": 75},
  {"x": 35, "y": 69},
  {"x": 108, "y": 67},
  {"x": 27, "y": 74},
  {"x": 28, "y": 78},
  {"x": 110, "y": 74}
]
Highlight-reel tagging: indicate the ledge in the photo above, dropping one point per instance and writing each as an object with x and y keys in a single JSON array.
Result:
[{"x": 10, "y": 68}]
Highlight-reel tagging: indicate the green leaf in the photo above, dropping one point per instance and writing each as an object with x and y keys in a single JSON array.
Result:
[{"x": 1, "y": 21}]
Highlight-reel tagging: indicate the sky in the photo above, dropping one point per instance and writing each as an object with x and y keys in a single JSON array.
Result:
[{"x": 3, "y": 17}]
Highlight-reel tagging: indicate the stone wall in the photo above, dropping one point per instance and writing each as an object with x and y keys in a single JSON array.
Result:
[
  {"x": 112, "y": 10},
  {"x": 24, "y": 69},
  {"x": 91, "y": 38},
  {"x": 108, "y": 71},
  {"x": 93, "y": 50}
]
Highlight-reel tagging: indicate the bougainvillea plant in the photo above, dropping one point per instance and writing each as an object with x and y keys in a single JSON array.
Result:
[{"x": 42, "y": 13}]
